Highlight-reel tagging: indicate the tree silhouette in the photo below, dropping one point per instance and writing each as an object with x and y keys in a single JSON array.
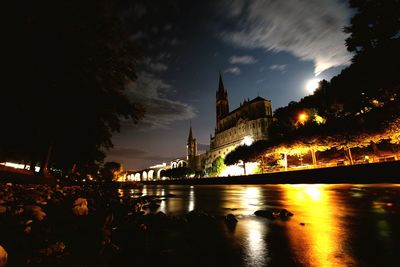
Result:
[
  {"x": 63, "y": 72},
  {"x": 110, "y": 171},
  {"x": 375, "y": 25}
]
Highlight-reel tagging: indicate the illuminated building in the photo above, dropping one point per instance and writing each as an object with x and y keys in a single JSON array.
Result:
[{"x": 245, "y": 124}]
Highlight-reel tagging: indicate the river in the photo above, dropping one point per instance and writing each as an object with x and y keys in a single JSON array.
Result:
[{"x": 333, "y": 225}]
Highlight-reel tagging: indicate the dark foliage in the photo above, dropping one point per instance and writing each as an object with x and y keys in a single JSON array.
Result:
[
  {"x": 63, "y": 71},
  {"x": 247, "y": 153},
  {"x": 180, "y": 172},
  {"x": 109, "y": 170}
]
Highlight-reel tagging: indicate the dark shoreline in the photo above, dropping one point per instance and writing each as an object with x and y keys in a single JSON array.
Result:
[{"x": 371, "y": 173}]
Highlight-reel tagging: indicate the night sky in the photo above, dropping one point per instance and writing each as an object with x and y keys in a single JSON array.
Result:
[{"x": 266, "y": 48}]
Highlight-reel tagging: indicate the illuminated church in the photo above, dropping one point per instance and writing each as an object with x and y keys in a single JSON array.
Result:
[{"x": 243, "y": 125}]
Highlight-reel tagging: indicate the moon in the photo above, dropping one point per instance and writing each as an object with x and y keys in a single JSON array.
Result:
[{"x": 311, "y": 85}]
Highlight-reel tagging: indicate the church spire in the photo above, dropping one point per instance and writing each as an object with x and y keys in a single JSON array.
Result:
[
  {"x": 190, "y": 138},
  {"x": 191, "y": 149},
  {"x": 221, "y": 88},
  {"x": 222, "y": 94}
]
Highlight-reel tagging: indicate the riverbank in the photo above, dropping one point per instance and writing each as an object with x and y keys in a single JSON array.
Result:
[
  {"x": 102, "y": 226},
  {"x": 383, "y": 172}
]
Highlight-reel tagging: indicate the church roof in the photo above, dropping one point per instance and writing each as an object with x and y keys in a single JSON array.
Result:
[{"x": 257, "y": 99}]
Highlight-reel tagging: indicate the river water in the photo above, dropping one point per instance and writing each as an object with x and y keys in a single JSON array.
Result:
[{"x": 333, "y": 225}]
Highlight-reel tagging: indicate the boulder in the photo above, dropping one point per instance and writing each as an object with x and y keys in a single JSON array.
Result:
[
  {"x": 36, "y": 212},
  {"x": 265, "y": 213},
  {"x": 3, "y": 257},
  {"x": 56, "y": 248},
  {"x": 230, "y": 219},
  {"x": 284, "y": 214},
  {"x": 274, "y": 214},
  {"x": 80, "y": 207},
  {"x": 153, "y": 205},
  {"x": 80, "y": 201},
  {"x": 3, "y": 209}
]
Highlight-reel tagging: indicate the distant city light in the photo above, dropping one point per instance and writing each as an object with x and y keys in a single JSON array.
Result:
[
  {"x": 311, "y": 85},
  {"x": 19, "y": 166}
]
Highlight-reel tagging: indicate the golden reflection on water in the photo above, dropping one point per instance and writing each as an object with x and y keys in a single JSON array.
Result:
[
  {"x": 251, "y": 196},
  {"x": 320, "y": 241},
  {"x": 242, "y": 200}
]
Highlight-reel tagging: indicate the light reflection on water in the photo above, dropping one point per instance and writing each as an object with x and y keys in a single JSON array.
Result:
[
  {"x": 322, "y": 233},
  {"x": 251, "y": 196},
  {"x": 191, "y": 199},
  {"x": 256, "y": 252},
  {"x": 326, "y": 228}
]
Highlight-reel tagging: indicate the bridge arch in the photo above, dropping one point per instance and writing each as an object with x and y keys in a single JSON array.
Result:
[
  {"x": 150, "y": 175},
  {"x": 144, "y": 176},
  {"x": 137, "y": 176},
  {"x": 158, "y": 175}
]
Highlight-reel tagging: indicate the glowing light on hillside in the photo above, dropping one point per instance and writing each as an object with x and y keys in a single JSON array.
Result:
[
  {"x": 237, "y": 169},
  {"x": 303, "y": 117},
  {"x": 311, "y": 85},
  {"x": 318, "y": 119},
  {"x": 232, "y": 170}
]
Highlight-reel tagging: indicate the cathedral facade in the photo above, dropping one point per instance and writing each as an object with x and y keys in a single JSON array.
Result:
[{"x": 243, "y": 125}]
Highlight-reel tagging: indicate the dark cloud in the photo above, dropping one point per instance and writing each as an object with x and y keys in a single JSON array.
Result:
[
  {"x": 132, "y": 153},
  {"x": 129, "y": 153},
  {"x": 154, "y": 66},
  {"x": 150, "y": 90}
]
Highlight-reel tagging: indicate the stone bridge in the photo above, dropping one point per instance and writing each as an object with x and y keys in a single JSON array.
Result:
[{"x": 154, "y": 172}]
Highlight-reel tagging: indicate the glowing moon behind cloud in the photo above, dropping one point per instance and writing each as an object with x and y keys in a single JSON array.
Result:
[{"x": 311, "y": 85}]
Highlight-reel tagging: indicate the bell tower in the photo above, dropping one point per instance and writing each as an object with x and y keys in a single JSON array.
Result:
[
  {"x": 191, "y": 148},
  {"x": 222, "y": 104}
]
